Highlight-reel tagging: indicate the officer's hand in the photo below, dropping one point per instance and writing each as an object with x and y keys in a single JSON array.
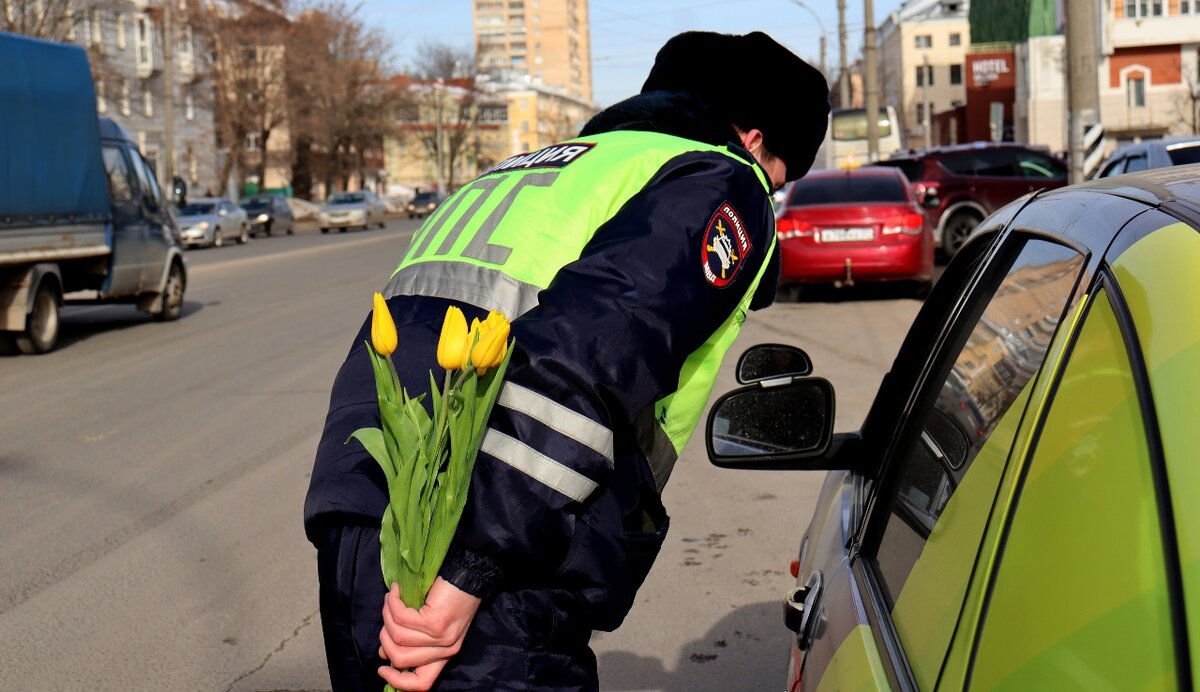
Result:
[{"x": 423, "y": 640}]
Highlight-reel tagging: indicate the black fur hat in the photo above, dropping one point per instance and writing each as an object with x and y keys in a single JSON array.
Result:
[{"x": 756, "y": 83}]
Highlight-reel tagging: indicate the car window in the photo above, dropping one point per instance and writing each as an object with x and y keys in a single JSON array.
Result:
[
  {"x": 1034, "y": 165},
  {"x": 1080, "y": 594},
  {"x": 146, "y": 181},
  {"x": 1114, "y": 168},
  {"x": 995, "y": 163},
  {"x": 983, "y": 163},
  {"x": 847, "y": 189},
  {"x": 946, "y": 477},
  {"x": 913, "y": 170},
  {"x": 1188, "y": 153},
  {"x": 117, "y": 170},
  {"x": 1137, "y": 163}
]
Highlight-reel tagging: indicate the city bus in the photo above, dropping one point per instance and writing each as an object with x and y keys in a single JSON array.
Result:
[{"x": 845, "y": 143}]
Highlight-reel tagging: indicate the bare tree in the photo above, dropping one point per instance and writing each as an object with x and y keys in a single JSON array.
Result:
[
  {"x": 1187, "y": 105},
  {"x": 245, "y": 60},
  {"x": 339, "y": 103},
  {"x": 78, "y": 21},
  {"x": 441, "y": 112}
]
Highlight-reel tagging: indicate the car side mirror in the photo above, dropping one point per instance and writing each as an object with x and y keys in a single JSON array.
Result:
[
  {"x": 771, "y": 361},
  {"x": 767, "y": 422}
]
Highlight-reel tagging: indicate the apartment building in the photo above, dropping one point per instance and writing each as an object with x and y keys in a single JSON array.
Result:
[
  {"x": 923, "y": 47},
  {"x": 548, "y": 40},
  {"x": 1150, "y": 64},
  {"x": 124, "y": 41}
]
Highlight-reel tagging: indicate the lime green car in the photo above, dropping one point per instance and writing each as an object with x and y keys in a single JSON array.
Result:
[{"x": 1021, "y": 508}]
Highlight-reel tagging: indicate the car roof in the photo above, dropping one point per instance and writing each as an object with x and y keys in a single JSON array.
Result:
[
  {"x": 861, "y": 172},
  {"x": 1154, "y": 186},
  {"x": 913, "y": 154}
]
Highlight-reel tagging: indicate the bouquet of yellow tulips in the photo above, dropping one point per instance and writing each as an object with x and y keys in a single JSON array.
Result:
[{"x": 428, "y": 460}]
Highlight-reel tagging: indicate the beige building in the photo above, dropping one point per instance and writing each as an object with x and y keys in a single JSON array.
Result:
[
  {"x": 1150, "y": 63},
  {"x": 547, "y": 40},
  {"x": 922, "y": 56},
  {"x": 539, "y": 115}
]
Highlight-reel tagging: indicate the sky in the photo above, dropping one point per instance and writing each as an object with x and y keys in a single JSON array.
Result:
[{"x": 626, "y": 34}]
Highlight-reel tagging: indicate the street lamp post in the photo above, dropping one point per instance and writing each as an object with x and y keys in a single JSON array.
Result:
[{"x": 821, "y": 26}]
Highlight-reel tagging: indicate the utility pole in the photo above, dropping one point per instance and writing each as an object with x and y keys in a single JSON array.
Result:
[
  {"x": 843, "y": 74},
  {"x": 928, "y": 119},
  {"x": 871, "y": 81},
  {"x": 168, "y": 50},
  {"x": 1085, "y": 134}
]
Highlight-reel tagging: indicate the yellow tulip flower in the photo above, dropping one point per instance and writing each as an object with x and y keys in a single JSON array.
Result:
[
  {"x": 493, "y": 343},
  {"x": 383, "y": 327},
  {"x": 452, "y": 344}
]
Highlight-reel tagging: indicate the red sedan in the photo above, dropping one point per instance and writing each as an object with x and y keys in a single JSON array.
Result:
[{"x": 846, "y": 226}]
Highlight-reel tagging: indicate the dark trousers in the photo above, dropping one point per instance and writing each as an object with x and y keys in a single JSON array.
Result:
[{"x": 519, "y": 640}]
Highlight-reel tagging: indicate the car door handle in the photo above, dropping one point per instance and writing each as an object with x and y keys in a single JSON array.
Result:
[{"x": 800, "y": 610}]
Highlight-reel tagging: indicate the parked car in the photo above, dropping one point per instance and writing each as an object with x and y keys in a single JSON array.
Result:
[
  {"x": 862, "y": 224},
  {"x": 960, "y": 185},
  {"x": 358, "y": 209},
  {"x": 1016, "y": 510},
  {"x": 210, "y": 221},
  {"x": 268, "y": 214},
  {"x": 1154, "y": 153},
  {"x": 423, "y": 204}
]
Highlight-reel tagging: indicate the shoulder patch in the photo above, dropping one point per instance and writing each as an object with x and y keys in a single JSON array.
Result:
[{"x": 726, "y": 246}]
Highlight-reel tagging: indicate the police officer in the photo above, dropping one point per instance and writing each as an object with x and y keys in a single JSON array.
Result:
[{"x": 629, "y": 257}]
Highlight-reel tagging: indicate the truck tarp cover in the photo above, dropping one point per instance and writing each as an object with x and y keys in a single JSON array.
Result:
[{"x": 51, "y": 169}]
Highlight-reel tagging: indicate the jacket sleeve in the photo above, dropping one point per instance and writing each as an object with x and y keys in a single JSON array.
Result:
[{"x": 608, "y": 339}]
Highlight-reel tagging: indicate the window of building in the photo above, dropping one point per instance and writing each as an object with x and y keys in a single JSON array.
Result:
[
  {"x": 956, "y": 39},
  {"x": 93, "y": 29},
  {"x": 1185, "y": 6},
  {"x": 101, "y": 102},
  {"x": 147, "y": 100},
  {"x": 68, "y": 17},
  {"x": 956, "y": 74},
  {"x": 126, "y": 105},
  {"x": 1143, "y": 8},
  {"x": 121, "y": 30},
  {"x": 189, "y": 105},
  {"x": 185, "y": 42},
  {"x": 920, "y": 112},
  {"x": 142, "y": 37},
  {"x": 924, "y": 75},
  {"x": 1135, "y": 91},
  {"x": 253, "y": 142},
  {"x": 923, "y": 41}
]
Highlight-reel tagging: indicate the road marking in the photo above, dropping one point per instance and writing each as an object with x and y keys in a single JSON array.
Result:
[{"x": 404, "y": 236}]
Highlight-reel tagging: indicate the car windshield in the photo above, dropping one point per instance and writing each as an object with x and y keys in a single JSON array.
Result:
[
  {"x": 1188, "y": 153},
  {"x": 347, "y": 198},
  {"x": 425, "y": 198},
  {"x": 197, "y": 209},
  {"x": 256, "y": 202},
  {"x": 847, "y": 189},
  {"x": 851, "y": 125}
]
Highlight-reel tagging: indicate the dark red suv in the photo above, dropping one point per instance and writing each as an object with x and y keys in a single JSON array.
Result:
[{"x": 958, "y": 186}]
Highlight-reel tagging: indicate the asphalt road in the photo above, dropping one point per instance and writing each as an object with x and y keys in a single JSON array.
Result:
[{"x": 152, "y": 479}]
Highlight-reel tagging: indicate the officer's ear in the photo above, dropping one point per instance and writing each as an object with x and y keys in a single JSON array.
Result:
[{"x": 752, "y": 139}]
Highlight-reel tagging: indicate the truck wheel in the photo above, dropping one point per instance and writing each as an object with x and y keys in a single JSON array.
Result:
[
  {"x": 41, "y": 329},
  {"x": 172, "y": 297}
]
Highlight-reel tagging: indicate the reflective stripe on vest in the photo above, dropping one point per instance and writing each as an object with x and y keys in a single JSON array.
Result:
[{"x": 480, "y": 248}]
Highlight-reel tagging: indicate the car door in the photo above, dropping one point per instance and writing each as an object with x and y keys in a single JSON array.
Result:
[
  {"x": 943, "y": 456},
  {"x": 129, "y": 228},
  {"x": 996, "y": 180},
  {"x": 1089, "y": 587},
  {"x": 159, "y": 227},
  {"x": 1039, "y": 171}
]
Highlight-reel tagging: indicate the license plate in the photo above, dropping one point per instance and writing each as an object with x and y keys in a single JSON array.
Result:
[{"x": 843, "y": 235}]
